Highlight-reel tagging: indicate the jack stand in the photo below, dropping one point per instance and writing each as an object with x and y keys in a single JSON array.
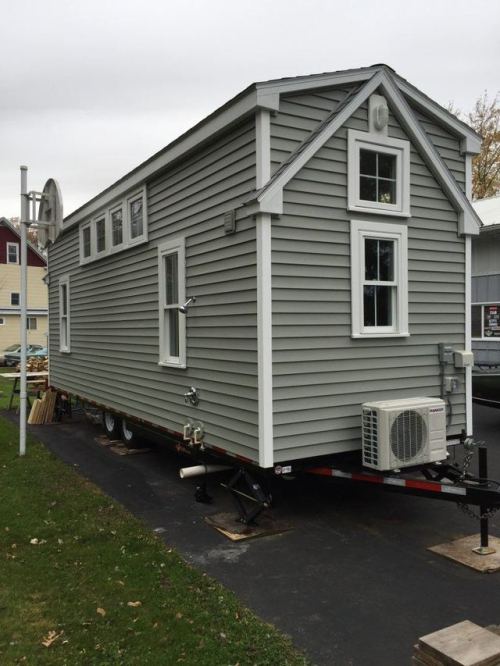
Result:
[
  {"x": 484, "y": 548},
  {"x": 256, "y": 495},
  {"x": 201, "y": 495}
]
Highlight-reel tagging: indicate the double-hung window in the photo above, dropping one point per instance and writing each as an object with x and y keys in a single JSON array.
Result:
[
  {"x": 378, "y": 174},
  {"x": 12, "y": 253},
  {"x": 100, "y": 234},
  {"x": 64, "y": 315},
  {"x": 31, "y": 324},
  {"x": 14, "y": 298},
  {"x": 379, "y": 279},
  {"x": 171, "y": 278},
  {"x": 116, "y": 215}
]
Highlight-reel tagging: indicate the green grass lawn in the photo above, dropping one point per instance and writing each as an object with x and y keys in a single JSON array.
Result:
[{"x": 78, "y": 569}]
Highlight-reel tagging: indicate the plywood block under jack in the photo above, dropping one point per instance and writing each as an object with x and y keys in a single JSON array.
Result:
[
  {"x": 462, "y": 644},
  {"x": 228, "y": 525},
  {"x": 104, "y": 440},
  {"x": 460, "y": 551},
  {"x": 124, "y": 451}
]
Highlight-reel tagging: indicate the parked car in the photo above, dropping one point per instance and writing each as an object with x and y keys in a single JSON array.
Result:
[
  {"x": 12, "y": 358},
  {"x": 9, "y": 350}
]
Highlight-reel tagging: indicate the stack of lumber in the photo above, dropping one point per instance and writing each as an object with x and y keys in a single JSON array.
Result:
[
  {"x": 35, "y": 364},
  {"x": 42, "y": 410},
  {"x": 463, "y": 644}
]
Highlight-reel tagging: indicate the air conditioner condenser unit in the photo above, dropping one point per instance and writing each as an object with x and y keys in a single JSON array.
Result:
[{"x": 403, "y": 433}]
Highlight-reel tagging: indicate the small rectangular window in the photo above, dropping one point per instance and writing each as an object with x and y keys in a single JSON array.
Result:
[
  {"x": 100, "y": 233},
  {"x": 64, "y": 315},
  {"x": 12, "y": 253},
  {"x": 31, "y": 324},
  {"x": 2, "y": 321},
  {"x": 379, "y": 279},
  {"x": 14, "y": 298},
  {"x": 86, "y": 241},
  {"x": 172, "y": 292},
  {"x": 136, "y": 218},
  {"x": 117, "y": 226}
]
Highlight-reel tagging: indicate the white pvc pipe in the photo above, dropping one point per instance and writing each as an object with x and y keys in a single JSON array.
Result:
[{"x": 198, "y": 470}]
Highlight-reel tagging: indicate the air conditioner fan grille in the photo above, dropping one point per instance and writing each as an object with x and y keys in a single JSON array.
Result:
[{"x": 408, "y": 435}]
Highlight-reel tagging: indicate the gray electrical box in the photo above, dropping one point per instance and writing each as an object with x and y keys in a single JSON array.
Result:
[{"x": 230, "y": 222}]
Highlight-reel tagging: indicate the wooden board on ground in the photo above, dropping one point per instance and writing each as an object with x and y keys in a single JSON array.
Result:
[
  {"x": 104, "y": 440},
  {"x": 460, "y": 551},
  {"x": 42, "y": 410},
  {"x": 124, "y": 451},
  {"x": 462, "y": 644},
  {"x": 228, "y": 525}
]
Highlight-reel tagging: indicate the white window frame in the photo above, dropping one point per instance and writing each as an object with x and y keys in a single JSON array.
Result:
[
  {"x": 140, "y": 194},
  {"x": 28, "y": 324},
  {"x": 361, "y": 229},
  {"x": 127, "y": 240},
  {"x": 64, "y": 348},
  {"x": 484, "y": 338},
  {"x": 15, "y": 245},
  {"x": 379, "y": 143},
  {"x": 84, "y": 259},
  {"x": 14, "y": 305},
  {"x": 170, "y": 247}
]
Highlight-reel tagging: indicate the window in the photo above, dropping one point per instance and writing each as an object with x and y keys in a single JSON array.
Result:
[
  {"x": 31, "y": 324},
  {"x": 121, "y": 226},
  {"x": 100, "y": 234},
  {"x": 12, "y": 253},
  {"x": 64, "y": 315},
  {"x": 14, "y": 298},
  {"x": 135, "y": 218},
  {"x": 117, "y": 226},
  {"x": 2, "y": 321},
  {"x": 171, "y": 267},
  {"x": 485, "y": 321},
  {"x": 86, "y": 242},
  {"x": 379, "y": 279},
  {"x": 378, "y": 174}
]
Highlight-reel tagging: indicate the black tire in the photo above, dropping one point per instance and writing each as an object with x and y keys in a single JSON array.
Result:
[{"x": 111, "y": 425}]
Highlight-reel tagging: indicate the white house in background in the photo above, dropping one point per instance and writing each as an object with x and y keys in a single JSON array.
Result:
[{"x": 486, "y": 284}]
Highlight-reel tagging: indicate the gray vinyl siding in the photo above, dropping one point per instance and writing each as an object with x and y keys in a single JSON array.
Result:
[
  {"x": 321, "y": 376},
  {"x": 447, "y": 145},
  {"x": 114, "y": 305}
]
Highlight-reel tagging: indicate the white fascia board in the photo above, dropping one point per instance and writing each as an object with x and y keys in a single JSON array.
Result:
[
  {"x": 240, "y": 109},
  {"x": 302, "y": 84},
  {"x": 471, "y": 142},
  {"x": 271, "y": 200},
  {"x": 468, "y": 222}
]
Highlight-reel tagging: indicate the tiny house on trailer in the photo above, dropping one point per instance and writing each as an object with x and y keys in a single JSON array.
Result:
[{"x": 302, "y": 251}]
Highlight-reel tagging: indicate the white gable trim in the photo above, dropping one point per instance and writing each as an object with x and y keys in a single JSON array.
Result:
[{"x": 271, "y": 198}]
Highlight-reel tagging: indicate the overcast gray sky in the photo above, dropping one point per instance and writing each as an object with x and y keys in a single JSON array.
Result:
[{"x": 89, "y": 89}]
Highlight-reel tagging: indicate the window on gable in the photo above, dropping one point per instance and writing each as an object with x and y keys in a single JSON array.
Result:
[
  {"x": 64, "y": 315},
  {"x": 86, "y": 241},
  {"x": 135, "y": 217},
  {"x": 379, "y": 279},
  {"x": 14, "y": 298},
  {"x": 172, "y": 294},
  {"x": 378, "y": 174},
  {"x": 12, "y": 253}
]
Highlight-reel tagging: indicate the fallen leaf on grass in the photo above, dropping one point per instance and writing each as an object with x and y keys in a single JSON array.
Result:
[
  {"x": 37, "y": 542},
  {"x": 101, "y": 611},
  {"x": 178, "y": 616},
  {"x": 51, "y": 637},
  {"x": 134, "y": 604}
]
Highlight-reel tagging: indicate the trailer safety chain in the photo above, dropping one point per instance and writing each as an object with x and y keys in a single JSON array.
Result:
[{"x": 469, "y": 446}]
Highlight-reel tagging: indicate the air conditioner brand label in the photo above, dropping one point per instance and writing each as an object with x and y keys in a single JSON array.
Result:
[{"x": 436, "y": 410}]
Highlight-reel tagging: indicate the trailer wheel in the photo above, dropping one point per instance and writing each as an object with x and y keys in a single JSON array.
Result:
[
  {"x": 129, "y": 435},
  {"x": 110, "y": 424}
]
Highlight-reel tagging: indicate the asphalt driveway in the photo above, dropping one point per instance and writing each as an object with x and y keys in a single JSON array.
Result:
[{"x": 351, "y": 583}]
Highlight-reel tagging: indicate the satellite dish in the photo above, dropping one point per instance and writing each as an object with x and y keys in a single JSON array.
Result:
[{"x": 51, "y": 211}]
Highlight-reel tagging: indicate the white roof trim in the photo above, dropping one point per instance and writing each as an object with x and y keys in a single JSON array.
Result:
[{"x": 271, "y": 198}]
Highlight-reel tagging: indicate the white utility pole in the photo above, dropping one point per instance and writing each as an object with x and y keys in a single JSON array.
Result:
[{"x": 23, "y": 394}]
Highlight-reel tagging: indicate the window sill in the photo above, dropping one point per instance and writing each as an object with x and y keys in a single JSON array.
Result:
[
  {"x": 358, "y": 336},
  {"x": 167, "y": 364},
  {"x": 65, "y": 351},
  {"x": 355, "y": 208},
  {"x": 114, "y": 249}
]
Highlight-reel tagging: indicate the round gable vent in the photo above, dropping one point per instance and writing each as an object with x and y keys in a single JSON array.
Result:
[{"x": 408, "y": 435}]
